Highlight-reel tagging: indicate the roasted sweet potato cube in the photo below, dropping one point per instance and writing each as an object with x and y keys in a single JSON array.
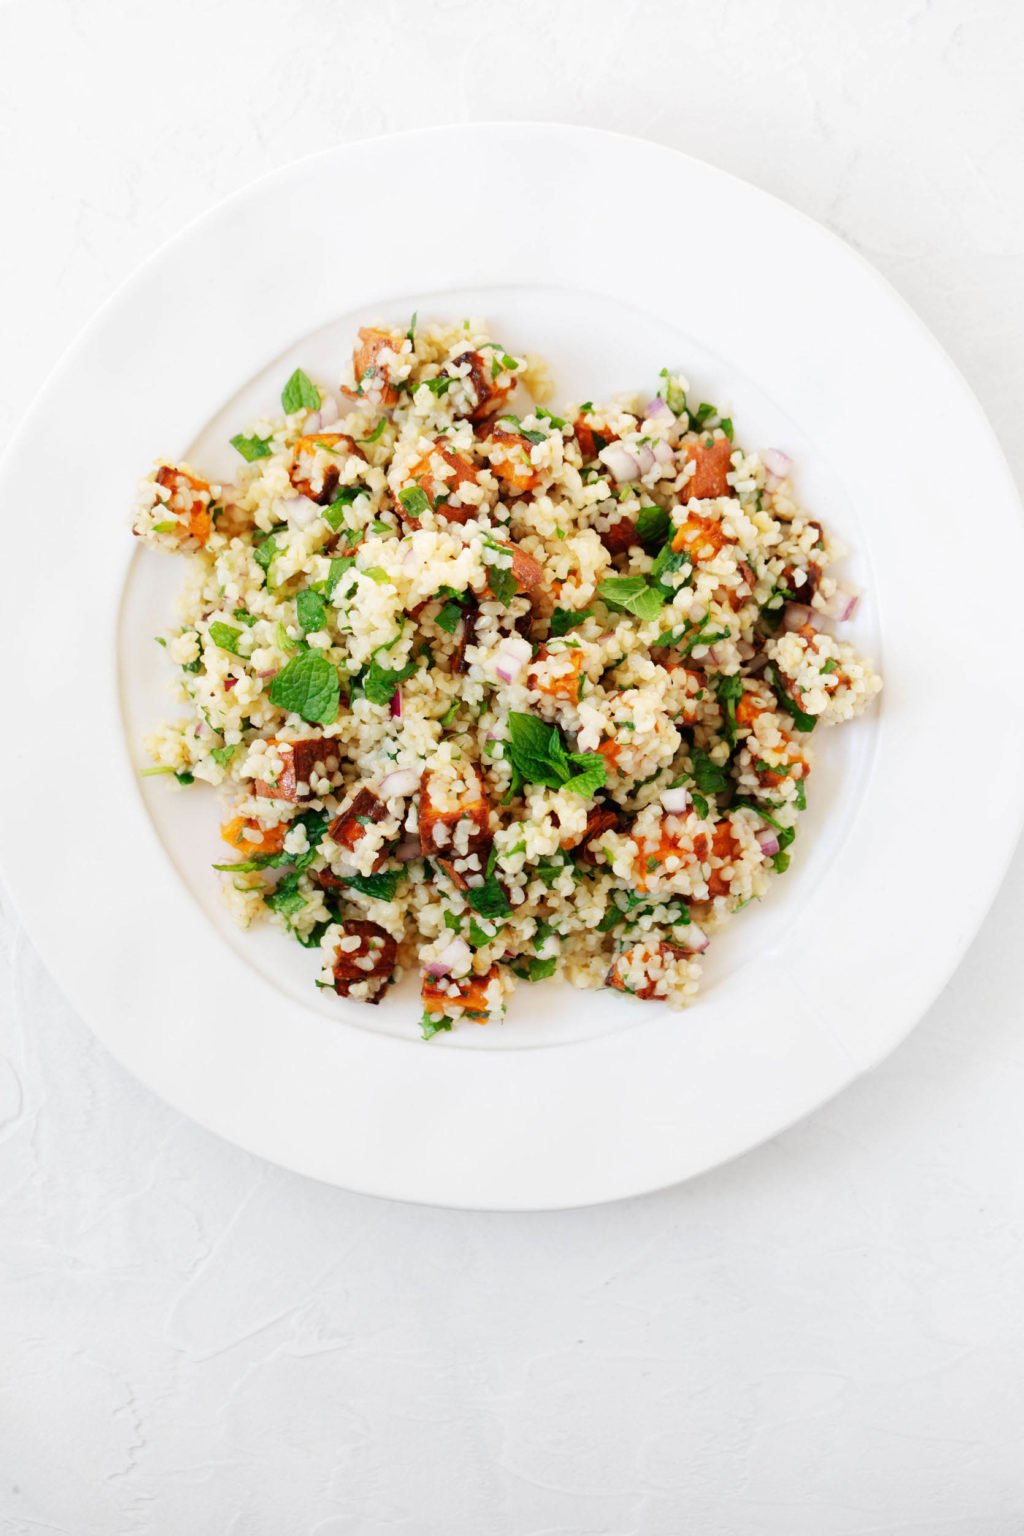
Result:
[
  {"x": 371, "y": 960},
  {"x": 471, "y": 811},
  {"x": 300, "y": 760},
  {"x": 592, "y": 436},
  {"x": 189, "y": 500},
  {"x": 438, "y": 487},
  {"x": 248, "y": 838},
  {"x": 308, "y": 467},
  {"x": 509, "y": 454},
  {"x": 373, "y": 375},
  {"x": 470, "y": 995},
  {"x": 350, "y": 826},
  {"x": 712, "y": 457},
  {"x": 648, "y": 989},
  {"x": 600, "y": 818},
  {"x": 490, "y": 395}
]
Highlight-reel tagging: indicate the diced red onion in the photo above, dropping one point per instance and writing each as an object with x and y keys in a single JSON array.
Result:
[
  {"x": 395, "y": 706},
  {"x": 401, "y": 781},
  {"x": 777, "y": 465},
  {"x": 620, "y": 461},
  {"x": 796, "y": 615},
  {"x": 692, "y": 937},
  {"x": 664, "y": 454},
  {"x": 715, "y": 654},
  {"x": 674, "y": 801},
  {"x": 328, "y": 411},
  {"x": 768, "y": 838},
  {"x": 408, "y": 850},
  {"x": 841, "y": 605},
  {"x": 300, "y": 511},
  {"x": 455, "y": 956},
  {"x": 229, "y": 683},
  {"x": 515, "y": 652},
  {"x": 270, "y": 672},
  {"x": 658, "y": 410},
  {"x": 313, "y": 422},
  {"x": 645, "y": 458}
]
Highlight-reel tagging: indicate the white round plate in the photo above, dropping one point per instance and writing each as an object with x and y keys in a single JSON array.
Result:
[{"x": 613, "y": 257}]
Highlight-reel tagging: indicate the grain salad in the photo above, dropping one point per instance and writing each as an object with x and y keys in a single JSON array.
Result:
[{"x": 494, "y": 693}]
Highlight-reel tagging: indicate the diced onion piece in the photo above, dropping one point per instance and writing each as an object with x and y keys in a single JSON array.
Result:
[
  {"x": 796, "y": 615},
  {"x": 456, "y": 956},
  {"x": 692, "y": 937},
  {"x": 658, "y": 410},
  {"x": 620, "y": 461},
  {"x": 313, "y": 423},
  {"x": 777, "y": 465},
  {"x": 645, "y": 458},
  {"x": 515, "y": 652},
  {"x": 841, "y": 605},
  {"x": 408, "y": 850},
  {"x": 674, "y": 801},
  {"x": 402, "y": 781},
  {"x": 329, "y": 411},
  {"x": 395, "y": 707},
  {"x": 663, "y": 453},
  {"x": 768, "y": 839}
]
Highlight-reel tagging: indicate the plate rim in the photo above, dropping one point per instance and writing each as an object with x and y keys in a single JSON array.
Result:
[{"x": 252, "y": 191}]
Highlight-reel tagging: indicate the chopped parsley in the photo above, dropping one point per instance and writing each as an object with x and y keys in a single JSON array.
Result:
[
  {"x": 286, "y": 898},
  {"x": 415, "y": 500},
  {"x": 489, "y": 900},
  {"x": 381, "y": 887},
  {"x": 564, "y": 619},
  {"x": 431, "y": 1025},
  {"x": 502, "y": 583},
  {"x": 730, "y": 691},
  {"x": 803, "y": 722}
]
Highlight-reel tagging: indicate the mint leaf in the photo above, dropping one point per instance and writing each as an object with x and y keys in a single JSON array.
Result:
[
  {"x": 593, "y": 773},
  {"x": 311, "y": 610},
  {"x": 334, "y": 515},
  {"x": 431, "y": 1025},
  {"x": 450, "y": 617},
  {"x": 223, "y": 755},
  {"x": 538, "y": 756},
  {"x": 226, "y": 636},
  {"x": 652, "y": 526},
  {"x": 632, "y": 594},
  {"x": 379, "y": 684},
  {"x": 300, "y": 392},
  {"x": 252, "y": 448},
  {"x": 308, "y": 686},
  {"x": 339, "y": 565}
]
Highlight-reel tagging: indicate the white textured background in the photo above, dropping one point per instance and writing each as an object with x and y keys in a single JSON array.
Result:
[{"x": 826, "y": 1339}]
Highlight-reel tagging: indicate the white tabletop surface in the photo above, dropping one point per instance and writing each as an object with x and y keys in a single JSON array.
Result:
[{"x": 824, "y": 1339}]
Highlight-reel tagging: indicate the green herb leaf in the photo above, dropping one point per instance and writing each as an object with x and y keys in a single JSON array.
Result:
[
  {"x": 545, "y": 415},
  {"x": 300, "y": 393},
  {"x": 539, "y": 970},
  {"x": 489, "y": 900},
  {"x": 411, "y": 332},
  {"x": 308, "y": 686},
  {"x": 674, "y": 397},
  {"x": 339, "y": 565},
  {"x": 450, "y": 617},
  {"x": 431, "y": 1025},
  {"x": 730, "y": 691},
  {"x": 379, "y": 684},
  {"x": 223, "y": 755},
  {"x": 804, "y": 722},
  {"x": 800, "y": 799},
  {"x": 415, "y": 500},
  {"x": 707, "y": 776},
  {"x": 311, "y": 610},
  {"x": 247, "y": 619},
  {"x": 700, "y": 805},
  {"x": 632, "y": 594},
  {"x": 502, "y": 583},
  {"x": 375, "y": 435},
  {"x": 334, "y": 515},
  {"x": 226, "y": 636},
  {"x": 652, "y": 526},
  {"x": 381, "y": 887},
  {"x": 538, "y": 756},
  {"x": 252, "y": 448},
  {"x": 564, "y": 619},
  {"x": 286, "y": 898}
]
